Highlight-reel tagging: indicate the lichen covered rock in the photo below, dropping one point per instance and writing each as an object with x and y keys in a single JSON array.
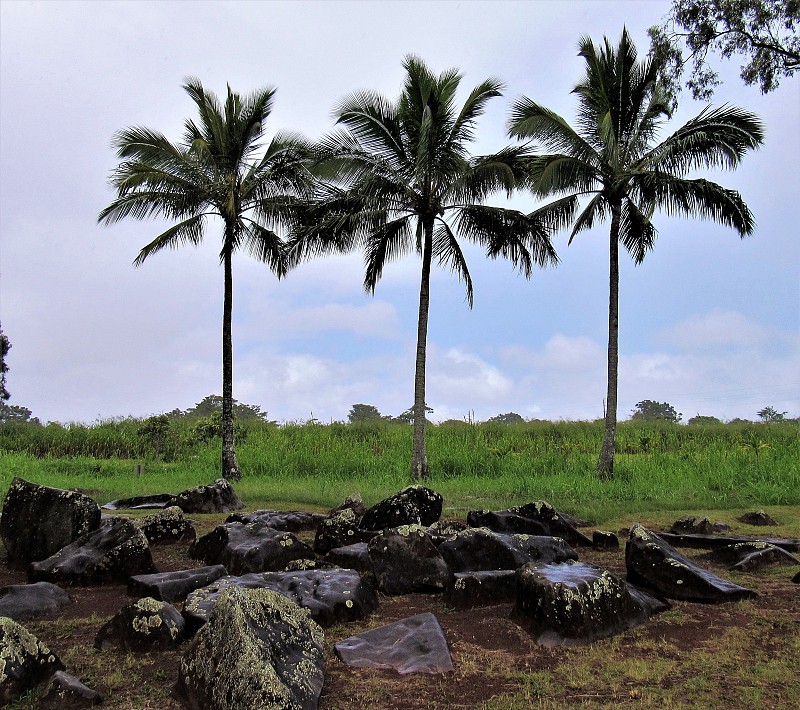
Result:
[
  {"x": 251, "y": 547},
  {"x": 167, "y": 525},
  {"x": 113, "y": 552},
  {"x": 146, "y": 625},
  {"x": 653, "y": 563},
  {"x": 38, "y": 521},
  {"x": 752, "y": 556},
  {"x": 574, "y": 603},
  {"x": 25, "y": 661},
  {"x": 258, "y": 650},
  {"x": 219, "y": 497},
  {"x": 414, "y": 505},
  {"x": 405, "y": 560},
  {"x": 339, "y": 530}
]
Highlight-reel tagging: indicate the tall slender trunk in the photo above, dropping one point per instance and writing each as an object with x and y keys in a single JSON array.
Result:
[
  {"x": 230, "y": 468},
  {"x": 419, "y": 459},
  {"x": 605, "y": 464}
]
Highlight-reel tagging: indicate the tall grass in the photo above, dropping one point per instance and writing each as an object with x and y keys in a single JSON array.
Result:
[{"x": 664, "y": 466}]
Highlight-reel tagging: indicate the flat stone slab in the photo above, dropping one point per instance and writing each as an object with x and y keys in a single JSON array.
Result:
[
  {"x": 332, "y": 596},
  {"x": 478, "y": 549},
  {"x": 158, "y": 500},
  {"x": 752, "y": 556},
  {"x": 472, "y": 589},
  {"x": 413, "y": 645},
  {"x": 286, "y": 520},
  {"x": 174, "y": 586},
  {"x": 573, "y": 603},
  {"x": 26, "y": 601},
  {"x": 653, "y": 563},
  {"x": 712, "y": 542}
]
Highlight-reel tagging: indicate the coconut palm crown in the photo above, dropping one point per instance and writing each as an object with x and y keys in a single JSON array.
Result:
[
  {"x": 615, "y": 158},
  {"x": 219, "y": 170},
  {"x": 398, "y": 178}
]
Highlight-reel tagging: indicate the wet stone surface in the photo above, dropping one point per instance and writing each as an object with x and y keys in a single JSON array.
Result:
[{"x": 26, "y": 601}]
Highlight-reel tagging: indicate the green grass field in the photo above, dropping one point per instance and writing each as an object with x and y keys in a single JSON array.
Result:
[{"x": 659, "y": 466}]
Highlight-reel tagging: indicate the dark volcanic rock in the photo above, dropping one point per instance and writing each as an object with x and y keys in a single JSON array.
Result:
[
  {"x": 66, "y": 692},
  {"x": 472, "y": 589},
  {"x": 603, "y": 540},
  {"x": 759, "y": 517},
  {"x": 415, "y": 505},
  {"x": 26, "y": 661},
  {"x": 38, "y": 521},
  {"x": 253, "y": 547},
  {"x": 159, "y": 500},
  {"x": 25, "y": 601},
  {"x": 413, "y": 645},
  {"x": 174, "y": 586},
  {"x": 575, "y": 603},
  {"x": 796, "y": 578},
  {"x": 286, "y": 520},
  {"x": 752, "y": 556},
  {"x": 167, "y": 525},
  {"x": 114, "y": 552},
  {"x": 405, "y": 560},
  {"x": 339, "y": 530},
  {"x": 478, "y": 549},
  {"x": 147, "y": 625},
  {"x": 558, "y": 524},
  {"x": 258, "y": 650},
  {"x": 713, "y": 542},
  {"x": 504, "y": 521},
  {"x": 352, "y": 557},
  {"x": 332, "y": 596},
  {"x": 353, "y": 502},
  {"x": 693, "y": 525},
  {"x": 219, "y": 497},
  {"x": 653, "y": 563}
]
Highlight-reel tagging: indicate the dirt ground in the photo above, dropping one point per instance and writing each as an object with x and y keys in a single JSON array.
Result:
[{"x": 737, "y": 655}]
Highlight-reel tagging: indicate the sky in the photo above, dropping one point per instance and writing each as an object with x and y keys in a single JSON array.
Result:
[{"x": 708, "y": 322}]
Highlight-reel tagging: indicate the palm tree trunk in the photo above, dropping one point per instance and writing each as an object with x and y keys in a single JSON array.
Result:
[
  {"x": 605, "y": 464},
  {"x": 230, "y": 468},
  {"x": 419, "y": 460}
]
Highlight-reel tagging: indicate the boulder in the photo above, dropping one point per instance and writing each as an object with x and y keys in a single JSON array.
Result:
[
  {"x": 478, "y": 549},
  {"x": 66, "y": 692},
  {"x": 26, "y": 601},
  {"x": 603, "y": 540},
  {"x": 573, "y": 603},
  {"x": 558, "y": 524},
  {"x": 415, "y": 505},
  {"x": 167, "y": 525},
  {"x": 26, "y": 661},
  {"x": 354, "y": 502},
  {"x": 752, "y": 556},
  {"x": 332, "y": 596},
  {"x": 352, "y": 557},
  {"x": 693, "y": 525},
  {"x": 796, "y": 578},
  {"x": 174, "y": 586},
  {"x": 258, "y": 650},
  {"x": 115, "y": 551},
  {"x": 159, "y": 500},
  {"x": 286, "y": 520},
  {"x": 758, "y": 518},
  {"x": 251, "y": 547},
  {"x": 219, "y": 497},
  {"x": 38, "y": 521},
  {"x": 405, "y": 560},
  {"x": 504, "y": 521},
  {"x": 651, "y": 562},
  {"x": 339, "y": 530},
  {"x": 471, "y": 589},
  {"x": 413, "y": 645},
  {"x": 146, "y": 625}
]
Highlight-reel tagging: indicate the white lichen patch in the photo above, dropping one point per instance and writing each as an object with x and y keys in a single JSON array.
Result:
[{"x": 150, "y": 605}]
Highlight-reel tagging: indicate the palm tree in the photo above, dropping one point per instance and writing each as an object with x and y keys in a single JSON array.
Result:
[
  {"x": 614, "y": 156},
  {"x": 400, "y": 179},
  {"x": 219, "y": 170}
]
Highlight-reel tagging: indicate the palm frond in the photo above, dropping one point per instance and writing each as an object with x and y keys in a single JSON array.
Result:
[
  {"x": 448, "y": 253},
  {"x": 189, "y": 231},
  {"x": 636, "y": 232},
  {"x": 264, "y": 245},
  {"x": 392, "y": 241},
  {"x": 597, "y": 208}
]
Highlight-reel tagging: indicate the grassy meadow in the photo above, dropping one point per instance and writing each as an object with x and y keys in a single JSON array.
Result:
[{"x": 660, "y": 466}]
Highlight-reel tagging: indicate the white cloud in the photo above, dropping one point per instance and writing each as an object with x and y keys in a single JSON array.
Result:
[{"x": 714, "y": 329}]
